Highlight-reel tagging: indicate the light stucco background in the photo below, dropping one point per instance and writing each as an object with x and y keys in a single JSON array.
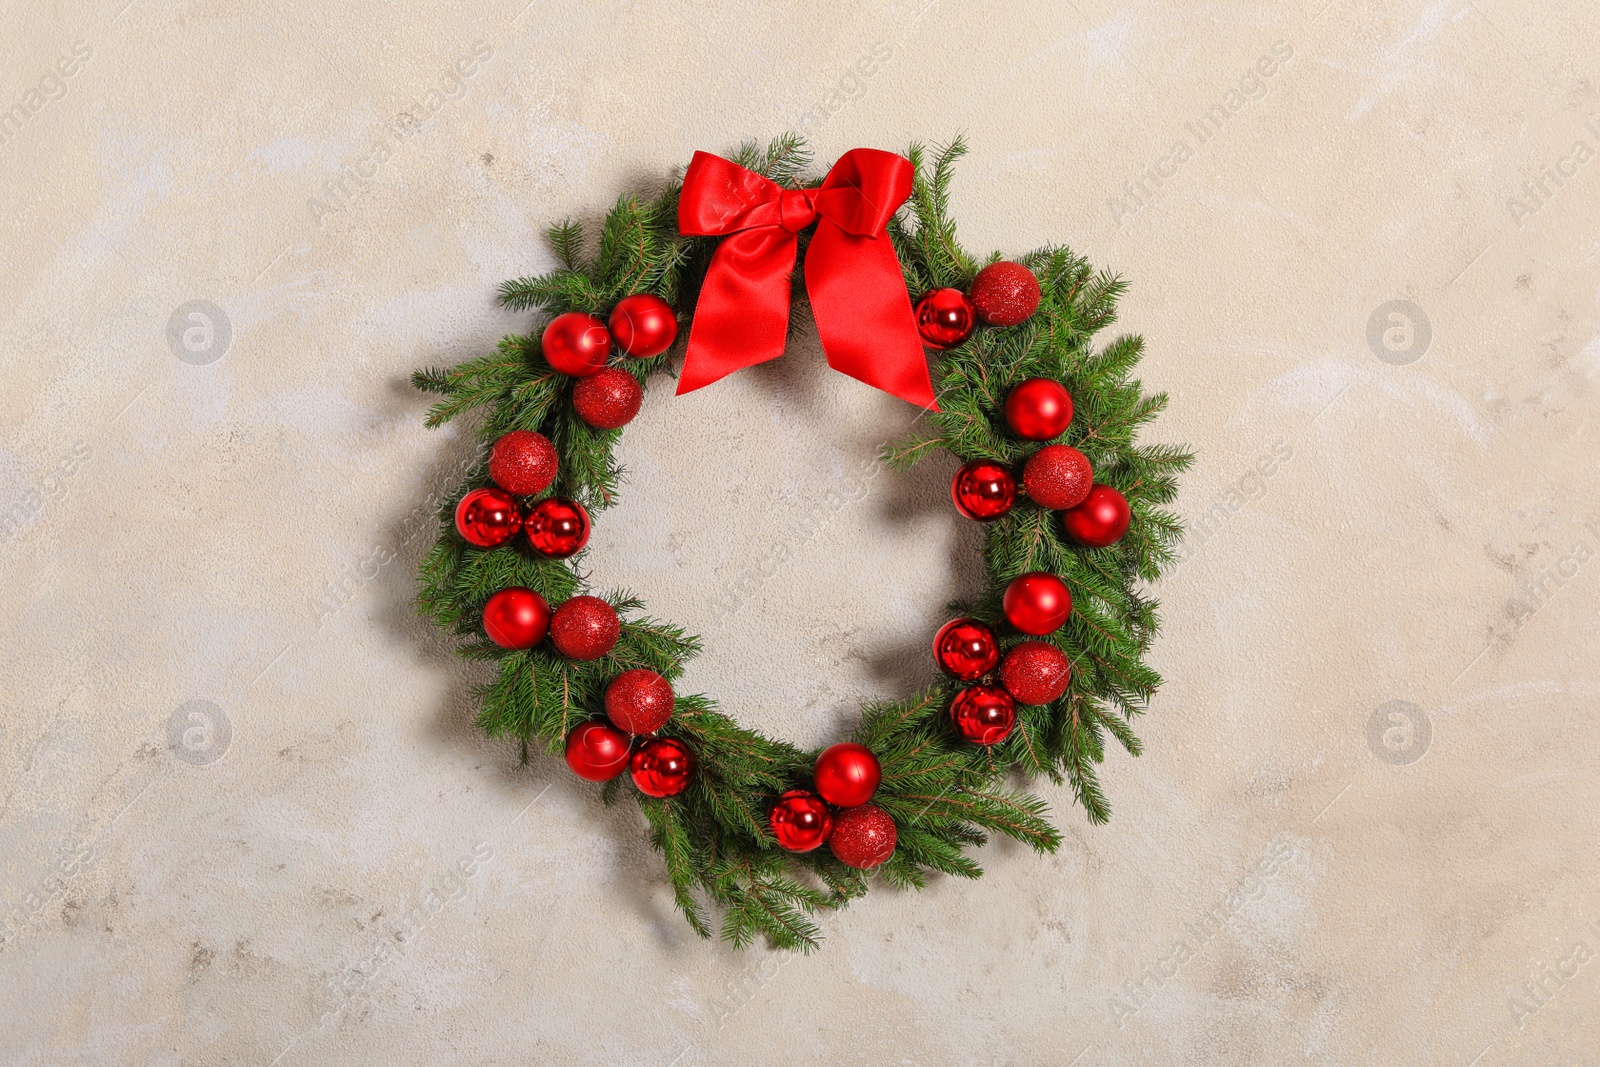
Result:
[{"x": 245, "y": 816}]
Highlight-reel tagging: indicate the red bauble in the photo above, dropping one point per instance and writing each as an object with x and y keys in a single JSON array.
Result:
[
  {"x": 983, "y": 490},
  {"x": 523, "y": 462},
  {"x": 984, "y": 714},
  {"x": 639, "y": 701},
  {"x": 1036, "y": 673},
  {"x": 945, "y": 318},
  {"x": 1038, "y": 409},
  {"x": 488, "y": 517},
  {"x": 644, "y": 325},
  {"x": 1100, "y": 520},
  {"x": 557, "y": 527},
  {"x": 516, "y": 618},
  {"x": 576, "y": 344},
  {"x": 1037, "y": 603},
  {"x": 847, "y": 774},
  {"x": 863, "y": 837},
  {"x": 1057, "y": 477},
  {"x": 662, "y": 767},
  {"x": 800, "y": 820},
  {"x": 585, "y": 627},
  {"x": 1005, "y": 294},
  {"x": 965, "y": 649},
  {"x": 608, "y": 399},
  {"x": 597, "y": 752}
]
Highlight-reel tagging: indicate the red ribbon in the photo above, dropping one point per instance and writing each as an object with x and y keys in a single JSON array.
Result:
[{"x": 858, "y": 295}]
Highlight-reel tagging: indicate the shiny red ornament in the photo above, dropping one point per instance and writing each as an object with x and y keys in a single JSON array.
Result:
[
  {"x": 488, "y": 517},
  {"x": 1005, "y": 294},
  {"x": 523, "y": 462},
  {"x": 1037, "y": 603},
  {"x": 1038, "y": 409},
  {"x": 643, "y": 325},
  {"x": 1035, "y": 672},
  {"x": 847, "y": 774},
  {"x": 1100, "y": 520},
  {"x": 983, "y": 490},
  {"x": 597, "y": 752},
  {"x": 1057, "y": 477},
  {"x": 608, "y": 399},
  {"x": 576, "y": 344},
  {"x": 557, "y": 527},
  {"x": 945, "y": 318},
  {"x": 965, "y": 649},
  {"x": 800, "y": 820},
  {"x": 984, "y": 714},
  {"x": 639, "y": 701},
  {"x": 516, "y": 618},
  {"x": 863, "y": 837},
  {"x": 585, "y": 628},
  {"x": 662, "y": 767}
]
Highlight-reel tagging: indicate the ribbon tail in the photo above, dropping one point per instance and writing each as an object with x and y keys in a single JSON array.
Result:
[{"x": 742, "y": 315}]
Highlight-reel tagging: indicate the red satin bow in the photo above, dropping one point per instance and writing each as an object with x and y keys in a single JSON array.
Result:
[{"x": 858, "y": 295}]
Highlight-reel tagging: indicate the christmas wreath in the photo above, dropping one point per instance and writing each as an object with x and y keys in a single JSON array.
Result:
[{"x": 1040, "y": 670}]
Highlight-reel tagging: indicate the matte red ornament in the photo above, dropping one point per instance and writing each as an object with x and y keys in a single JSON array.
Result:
[
  {"x": 1038, "y": 409},
  {"x": 945, "y": 318},
  {"x": 1037, "y": 603},
  {"x": 847, "y": 774},
  {"x": 965, "y": 649},
  {"x": 523, "y": 462},
  {"x": 863, "y": 837},
  {"x": 585, "y": 628},
  {"x": 984, "y": 714},
  {"x": 639, "y": 701},
  {"x": 1035, "y": 672},
  {"x": 597, "y": 752},
  {"x": 662, "y": 767},
  {"x": 516, "y": 617},
  {"x": 643, "y": 325},
  {"x": 983, "y": 490},
  {"x": 557, "y": 527},
  {"x": 576, "y": 344},
  {"x": 1100, "y": 520},
  {"x": 488, "y": 517},
  {"x": 1057, "y": 477},
  {"x": 800, "y": 820},
  {"x": 608, "y": 399},
  {"x": 1005, "y": 294}
]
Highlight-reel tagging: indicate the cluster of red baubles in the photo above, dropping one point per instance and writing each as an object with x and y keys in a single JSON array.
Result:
[
  {"x": 859, "y": 834},
  {"x": 1002, "y": 294},
  {"x": 579, "y": 345},
  {"x": 638, "y": 703}
]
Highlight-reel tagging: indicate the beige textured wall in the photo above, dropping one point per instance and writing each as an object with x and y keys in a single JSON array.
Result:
[{"x": 1365, "y": 821}]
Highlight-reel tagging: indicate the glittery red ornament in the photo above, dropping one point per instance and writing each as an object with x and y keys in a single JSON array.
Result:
[
  {"x": 847, "y": 774},
  {"x": 1035, "y": 672},
  {"x": 984, "y": 714},
  {"x": 639, "y": 701},
  {"x": 945, "y": 318},
  {"x": 662, "y": 767},
  {"x": 607, "y": 399},
  {"x": 1005, "y": 294},
  {"x": 1057, "y": 477},
  {"x": 863, "y": 837},
  {"x": 983, "y": 490},
  {"x": 800, "y": 820},
  {"x": 523, "y": 462},
  {"x": 597, "y": 752},
  {"x": 1100, "y": 520},
  {"x": 644, "y": 325},
  {"x": 516, "y": 618},
  {"x": 965, "y": 649},
  {"x": 585, "y": 627},
  {"x": 557, "y": 527},
  {"x": 1038, "y": 409},
  {"x": 1037, "y": 603},
  {"x": 488, "y": 517},
  {"x": 575, "y": 344}
]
